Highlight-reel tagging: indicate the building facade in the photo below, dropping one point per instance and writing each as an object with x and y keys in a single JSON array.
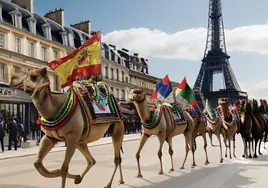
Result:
[{"x": 28, "y": 40}]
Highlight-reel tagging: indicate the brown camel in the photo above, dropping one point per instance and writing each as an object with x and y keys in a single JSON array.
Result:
[
  {"x": 246, "y": 126},
  {"x": 258, "y": 127},
  {"x": 214, "y": 125},
  {"x": 76, "y": 132},
  {"x": 229, "y": 120},
  {"x": 164, "y": 128}
]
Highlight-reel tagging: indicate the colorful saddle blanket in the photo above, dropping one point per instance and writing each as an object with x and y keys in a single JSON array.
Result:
[
  {"x": 99, "y": 105},
  {"x": 177, "y": 112}
]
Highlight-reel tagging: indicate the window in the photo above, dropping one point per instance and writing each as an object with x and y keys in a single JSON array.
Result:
[
  {"x": 32, "y": 24},
  {"x": 31, "y": 48},
  {"x": 43, "y": 53},
  {"x": 16, "y": 69},
  {"x": 117, "y": 74},
  {"x": 16, "y": 18},
  {"x": 56, "y": 54},
  {"x": 106, "y": 72},
  {"x": 17, "y": 44},
  {"x": 3, "y": 72},
  {"x": 123, "y": 95},
  {"x": 2, "y": 40},
  {"x": 56, "y": 83},
  {"x": 112, "y": 56},
  {"x": 112, "y": 74},
  {"x": 117, "y": 93},
  {"x": 127, "y": 80},
  {"x": 123, "y": 76},
  {"x": 112, "y": 90}
]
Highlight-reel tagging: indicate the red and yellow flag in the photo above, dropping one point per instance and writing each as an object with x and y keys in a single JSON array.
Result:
[{"x": 84, "y": 61}]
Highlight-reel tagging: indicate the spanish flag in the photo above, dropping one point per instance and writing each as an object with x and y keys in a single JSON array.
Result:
[{"x": 84, "y": 61}]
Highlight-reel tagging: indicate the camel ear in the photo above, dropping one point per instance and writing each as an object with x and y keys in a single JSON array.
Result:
[{"x": 43, "y": 72}]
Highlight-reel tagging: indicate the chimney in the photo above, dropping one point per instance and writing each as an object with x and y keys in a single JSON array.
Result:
[
  {"x": 56, "y": 15},
  {"x": 136, "y": 54},
  {"x": 83, "y": 26},
  {"x": 27, "y": 4},
  {"x": 113, "y": 46},
  {"x": 124, "y": 49}
]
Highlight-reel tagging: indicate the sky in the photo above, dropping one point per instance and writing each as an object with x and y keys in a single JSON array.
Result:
[{"x": 172, "y": 34}]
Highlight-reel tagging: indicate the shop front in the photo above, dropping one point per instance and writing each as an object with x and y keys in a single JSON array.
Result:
[{"x": 16, "y": 104}]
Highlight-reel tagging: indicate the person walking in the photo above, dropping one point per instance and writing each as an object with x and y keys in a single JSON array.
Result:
[
  {"x": 13, "y": 133},
  {"x": 2, "y": 134}
]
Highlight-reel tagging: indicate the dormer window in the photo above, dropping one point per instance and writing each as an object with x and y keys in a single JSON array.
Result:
[
  {"x": 32, "y": 24},
  {"x": 47, "y": 31},
  {"x": 16, "y": 18}
]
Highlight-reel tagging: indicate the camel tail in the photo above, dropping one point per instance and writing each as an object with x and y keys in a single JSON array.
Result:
[{"x": 121, "y": 148}]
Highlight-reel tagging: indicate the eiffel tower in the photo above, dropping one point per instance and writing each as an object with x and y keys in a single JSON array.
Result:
[{"x": 216, "y": 61}]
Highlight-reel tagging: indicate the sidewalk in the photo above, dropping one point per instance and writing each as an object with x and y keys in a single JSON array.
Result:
[{"x": 61, "y": 147}]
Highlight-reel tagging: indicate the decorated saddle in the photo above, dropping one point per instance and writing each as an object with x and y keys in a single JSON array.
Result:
[
  {"x": 212, "y": 117},
  {"x": 99, "y": 105},
  {"x": 177, "y": 113}
]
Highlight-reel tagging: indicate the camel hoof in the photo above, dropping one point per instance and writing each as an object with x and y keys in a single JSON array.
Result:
[
  {"x": 108, "y": 186},
  {"x": 207, "y": 162},
  {"x": 139, "y": 176},
  {"x": 221, "y": 161},
  {"x": 255, "y": 156},
  {"x": 230, "y": 157},
  {"x": 193, "y": 165},
  {"x": 160, "y": 173},
  {"x": 243, "y": 156},
  {"x": 250, "y": 156},
  {"x": 78, "y": 180},
  {"x": 182, "y": 168},
  {"x": 121, "y": 182},
  {"x": 171, "y": 170},
  {"x": 260, "y": 153},
  {"x": 234, "y": 156},
  {"x": 225, "y": 156}
]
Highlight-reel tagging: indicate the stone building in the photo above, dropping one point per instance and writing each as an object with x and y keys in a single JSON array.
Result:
[{"x": 28, "y": 40}]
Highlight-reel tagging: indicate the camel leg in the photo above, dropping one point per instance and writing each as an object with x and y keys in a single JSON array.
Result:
[
  {"x": 230, "y": 141},
  {"x": 234, "y": 145},
  {"x": 170, "y": 151},
  {"x": 191, "y": 141},
  {"x": 219, "y": 139},
  {"x": 90, "y": 161},
  {"x": 210, "y": 137},
  {"x": 144, "y": 138},
  {"x": 205, "y": 148},
  {"x": 249, "y": 148},
  {"x": 245, "y": 147},
  {"x": 46, "y": 145},
  {"x": 161, "y": 138},
  {"x": 72, "y": 140},
  {"x": 260, "y": 146},
  {"x": 186, "y": 150},
  {"x": 117, "y": 138},
  {"x": 225, "y": 142},
  {"x": 265, "y": 137},
  {"x": 256, "y": 148}
]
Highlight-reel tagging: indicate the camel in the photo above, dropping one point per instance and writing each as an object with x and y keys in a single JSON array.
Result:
[
  {"x": 229, "y": 120},
  {"x": 76, "y": 132},
  {"x": 264, "y": 111},
  {"x": 214, "y": 125},
  {"x": 246, "y": 126},
  {"x": 258, "y": 127},
  {"x": 164, "y": 127}
]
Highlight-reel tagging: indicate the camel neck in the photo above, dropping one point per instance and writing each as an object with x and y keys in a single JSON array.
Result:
[
  {"x": 47, "y": 105},
  {"x": 143, "y": 111}
]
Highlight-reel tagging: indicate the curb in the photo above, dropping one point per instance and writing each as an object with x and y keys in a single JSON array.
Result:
[{"x": 62, "y": 148}]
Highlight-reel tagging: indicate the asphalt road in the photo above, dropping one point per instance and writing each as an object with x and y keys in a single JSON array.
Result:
[{"x": 235, "y": 173}]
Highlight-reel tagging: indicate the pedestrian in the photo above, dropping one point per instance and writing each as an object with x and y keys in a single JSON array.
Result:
[
  {"x": 2, "y": 134},
  {"x": 13, "y": 133}
]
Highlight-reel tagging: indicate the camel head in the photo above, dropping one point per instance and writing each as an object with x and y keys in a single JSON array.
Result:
[
  {"x": 31, "y": 82},
  {"x": 137, "y": 95}
]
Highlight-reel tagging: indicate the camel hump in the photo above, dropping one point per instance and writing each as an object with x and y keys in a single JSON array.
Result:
[{"x": 97, "y": 103}]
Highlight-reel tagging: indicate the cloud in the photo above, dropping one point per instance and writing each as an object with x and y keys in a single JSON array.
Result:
[
  {"x": 187, "y": 44},
  {"x": 259, "y": 91}
]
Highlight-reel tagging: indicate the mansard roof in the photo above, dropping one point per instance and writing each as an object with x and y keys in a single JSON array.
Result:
[{"x": 56, "y": 29}]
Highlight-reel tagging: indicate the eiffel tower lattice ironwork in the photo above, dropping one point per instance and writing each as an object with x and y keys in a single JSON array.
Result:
[{"x": 216, "y": 61}]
